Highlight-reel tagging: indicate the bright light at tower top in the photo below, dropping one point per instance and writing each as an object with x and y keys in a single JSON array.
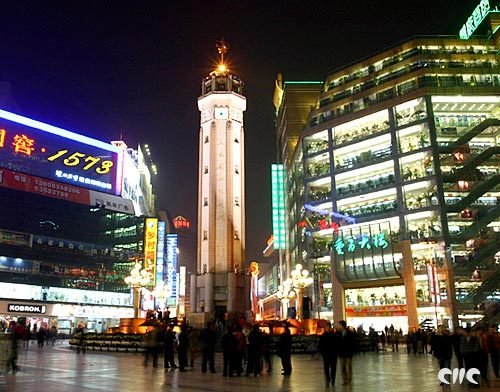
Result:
[{"x": 222, "y": 49}]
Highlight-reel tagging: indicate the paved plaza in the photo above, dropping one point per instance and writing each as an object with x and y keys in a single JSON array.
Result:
[{"x": 60, "y": 369}]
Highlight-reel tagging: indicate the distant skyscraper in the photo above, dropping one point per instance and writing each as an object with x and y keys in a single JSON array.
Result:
[{"x": 221, "y": 194}]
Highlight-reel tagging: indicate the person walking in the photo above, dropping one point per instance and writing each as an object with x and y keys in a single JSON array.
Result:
[
  {"x": 152, "y": 342},
  {"x": 328, "y": 349},
  {"x": 456, "y": 340},
  {"x": 469, "y": 346},
  {"x": 169, "y": 349},
  {"x": 266, "y": 350},
  {"x": 483, "y": 354},
  {"x": 285, "y": 351},
  {"x": 253, "y": 351},
  {"x": 40, "y": 337},
  {"x": 182, "y": 348},
  {"x": 80, "y": 336},
  {"x": 442, "y": 348},
  {"x": 494, "y": 345},
  {"x": 228, "y": 345},
  {"x": 241, "y": 347},
  {"x": 207, "y": 342},
  {"x": 345, "y": 351}
]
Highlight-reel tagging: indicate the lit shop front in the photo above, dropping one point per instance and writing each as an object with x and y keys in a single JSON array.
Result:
[{"x": 64, "y": 308}]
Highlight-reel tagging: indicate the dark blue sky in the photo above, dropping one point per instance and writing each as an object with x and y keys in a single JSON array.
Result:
[{"x": 135, "y": 68}]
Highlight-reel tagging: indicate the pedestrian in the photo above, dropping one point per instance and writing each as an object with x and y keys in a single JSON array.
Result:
[
  {"x": 152, "y": 342},
  {"x": 328, "y": 350},
  {"x": 395, "y": 340},
  {"x": 182, "y": 348},
  {"x": 345, "y": 351},
  {"x": 442, "y": 348},
  {"x": 266, "y": 350},
  {"x": 80, "y": 336},
  {"x": 53, "y": 334},
  {"x": 40, "y": 337},
  {"x": 456, "y": 340},
  {"x": 469, "y": 346},
  {"x": 169, "y": 349},
  {"x": 494, "y": 345},
  {"x": 483, "y": 354},
  {"x": 194, "y": 345},
  {"x": 241, "y": 347},
  {"x": 285, "y": 351},
  {"x": 207, "y": 343},
  {"x": 228, "y": 345},
  {"x": 253, "y": 351}
]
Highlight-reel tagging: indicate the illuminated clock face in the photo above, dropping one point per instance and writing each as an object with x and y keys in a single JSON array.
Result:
[{"x": 221, "y": 113}]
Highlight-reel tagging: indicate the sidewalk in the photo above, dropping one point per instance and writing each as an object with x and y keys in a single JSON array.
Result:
[{"x": 60, "y": 369}]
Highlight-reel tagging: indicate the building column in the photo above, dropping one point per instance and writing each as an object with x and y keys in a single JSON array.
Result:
[
  {"x": 231, "y": 292},
  {"x": 193, "y": 290},
  {"x": 408, "y": 275},
  {"x": 209, "y": 292},
  {"x": 338, "y": 298}
]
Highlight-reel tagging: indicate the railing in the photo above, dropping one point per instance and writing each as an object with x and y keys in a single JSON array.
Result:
[{"x": 479, "y": 294}]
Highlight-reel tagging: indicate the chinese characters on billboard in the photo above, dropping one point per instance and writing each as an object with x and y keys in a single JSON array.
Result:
[
  {"x": 172, "y": 240},
  {"x": 42, "y": 150},
  {"x": 150, "y": 247}
]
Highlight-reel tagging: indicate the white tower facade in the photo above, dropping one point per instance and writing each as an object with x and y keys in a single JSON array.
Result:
[{"x": 221, "y": 194}]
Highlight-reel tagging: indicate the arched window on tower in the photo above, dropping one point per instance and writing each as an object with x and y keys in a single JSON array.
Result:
[
  {"x": 236, "y": 235},
  {"x": 205, "y": 235},
  {"x": 236, "y": 140},
  {"x": 237, "y": 201},
  {"x": 205, "y": 201},
  {"x": 206, "y": 139},
  {"x": 237, "y": 169},
  {"x": 205, "y": 171}
]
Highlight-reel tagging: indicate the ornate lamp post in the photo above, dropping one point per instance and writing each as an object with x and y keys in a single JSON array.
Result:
[
  {"x": 285, "y": 293},
  {"x": 300, "y": 280},
  {"x": 137, "y": 279}
]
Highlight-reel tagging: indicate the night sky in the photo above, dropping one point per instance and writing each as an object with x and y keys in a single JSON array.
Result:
[{"x": 135, "y": 68}]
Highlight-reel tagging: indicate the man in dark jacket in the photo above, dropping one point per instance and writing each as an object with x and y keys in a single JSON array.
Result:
[
  {"x": 285, "y": 351},
  {"x": 328, "y": 349},
  {"x": 207, "y": 343},
  {"x": 169, "y": 348},
  {"x": 345, "y": 351},
  {"x": 442, "y": 348},
  {"x": 228, "y": 344},
  {"x": 182, "y": 348}
]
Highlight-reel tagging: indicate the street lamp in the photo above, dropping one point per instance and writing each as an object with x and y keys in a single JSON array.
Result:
[
  {"x": 137, "y": 279},
  {"x": 285, "y": 293},
  {"x": 161, "y": 293},
  {"x": 300, "y": 280}
]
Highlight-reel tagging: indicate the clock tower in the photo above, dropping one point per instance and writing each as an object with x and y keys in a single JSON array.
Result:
[{"x": 219, "y": 285}]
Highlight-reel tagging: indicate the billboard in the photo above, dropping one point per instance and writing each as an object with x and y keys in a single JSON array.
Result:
[
  {"x": 160, "y": 252},
  {"x": 42, "y": 150},
  {"x": 172, "y": 242},
  {"x": 150, "y": 245},
  {"x": 58, "y": 190},
  {"x": 278, "y": 205}
]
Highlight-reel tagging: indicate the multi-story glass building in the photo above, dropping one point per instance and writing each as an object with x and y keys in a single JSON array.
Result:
[{"x": 400, "y": 169}]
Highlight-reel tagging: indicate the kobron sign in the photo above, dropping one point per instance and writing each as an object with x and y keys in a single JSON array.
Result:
[
  {"x": 19, "y": 308},
  {"x": 478, "y": 15}
]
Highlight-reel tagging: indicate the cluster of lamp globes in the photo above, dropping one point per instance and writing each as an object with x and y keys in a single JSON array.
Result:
[
  {"x": 138, "y": 277},
  {"x": 300, "y": 279}
]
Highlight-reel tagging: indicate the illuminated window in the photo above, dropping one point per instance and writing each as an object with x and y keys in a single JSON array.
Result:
[
  {"x": 205, "y": 201},
  {"x": 206, "y": 170}
]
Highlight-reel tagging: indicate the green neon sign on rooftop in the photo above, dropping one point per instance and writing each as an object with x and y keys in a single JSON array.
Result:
[{"x": 477, "y": 16}]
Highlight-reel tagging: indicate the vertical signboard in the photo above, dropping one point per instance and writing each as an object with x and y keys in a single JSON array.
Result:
[
  {"x": 150, "y": 247},
  {"x": 172, "y": 241},
  {"x": 160, "y": 253},
  {"x": 278, "y": 205}
]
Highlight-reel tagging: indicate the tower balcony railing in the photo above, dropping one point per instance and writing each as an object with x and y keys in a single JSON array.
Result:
[
  {"x": 364, "y": 158},
  {"x": 366, "y": 185}
]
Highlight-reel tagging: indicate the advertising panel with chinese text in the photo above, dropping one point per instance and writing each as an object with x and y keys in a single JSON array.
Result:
[
  {"x": 150, "y": 248},
  {"x": 172, "y": 243},
  {"x": 49, "y": 152}
]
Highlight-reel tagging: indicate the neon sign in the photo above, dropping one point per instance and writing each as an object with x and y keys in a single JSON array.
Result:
[
  {"x": 363, "y": 242},
  {"x": 278, "y": 205},
  {"x": 42, "y": 150},
  {"x": 478, "y": 15},
  {"x": 150, "y": 247},
  {"x": 172, "y": 260},
  {"x": 347, "y": 218}
]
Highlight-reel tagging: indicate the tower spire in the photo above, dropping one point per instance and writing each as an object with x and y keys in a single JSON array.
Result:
[{"x": 222, "y": 48}]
